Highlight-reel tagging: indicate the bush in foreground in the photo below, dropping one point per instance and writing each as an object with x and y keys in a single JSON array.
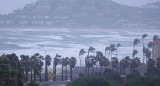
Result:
[
  {"x": 92, "y": 81},
  {"x": 33, "y": 83}
]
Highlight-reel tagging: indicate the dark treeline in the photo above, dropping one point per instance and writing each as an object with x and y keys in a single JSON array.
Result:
[{"x": 14, "y": 70}]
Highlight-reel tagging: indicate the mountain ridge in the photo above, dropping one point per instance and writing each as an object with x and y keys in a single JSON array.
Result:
[{"x": 80, "y": 13}]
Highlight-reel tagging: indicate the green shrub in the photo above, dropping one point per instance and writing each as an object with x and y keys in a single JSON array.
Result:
[
  {"x": 33, "y": 83},
  {"x": 143, "y": 81},
  {"x": 92, "y": 81}
]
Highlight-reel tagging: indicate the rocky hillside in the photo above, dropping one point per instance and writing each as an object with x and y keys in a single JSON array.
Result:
[{"x": 80, "y": 13}]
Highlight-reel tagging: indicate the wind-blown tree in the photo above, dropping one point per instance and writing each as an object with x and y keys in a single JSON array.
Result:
[
  {"x": 103, "y": 62},
  {"x": 91, "y": 50},
  {"x": 117, "y": 46},
  {"x": 107, "y": 49},
  {"x": 35, "y": 65},
  {"x": 11, "y": 70},
  {"x": 55, "y": 63},
  {"x": 99, "y": 55},
  {"x": 155, "y": 37},
  {"x": 135, "y": 62},
  {"x": 81, "y": 52},
  {"x": 72, "y": 63},
  {"x": 147, "y": 53},
  {"x": 93, "y": 60},
  {"x": 63, "y": 64},
  {"x": 112, "y": 49},
  {"x": 40, "y": 65},
  {"x": 151, "y": 68},
  {"x": 25, "y": 62},
  {"x": 66, "y": 64},
  {"x": 136, "y": 42},
  {"x": 88, "y": 64},
  {"x": 143, "y": 37},
  {"x": 115, "y": 63},
  {"x": 125, "y": 63},
  {"x": 47, "y": 63},
  {"x": 135, "y": 52}
]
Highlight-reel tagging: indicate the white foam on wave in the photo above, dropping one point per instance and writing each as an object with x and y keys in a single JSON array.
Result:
[{"x": 52, "y": 37}]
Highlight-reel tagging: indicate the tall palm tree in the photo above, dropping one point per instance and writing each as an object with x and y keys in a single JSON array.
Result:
[
  {"x": 155, "y": 37},
  {"x": 136, "y": 42},
  {"x": 72, "y": 63},
  {"x": 112, "y": 49},
  {"x": 63, "y": 64},
  {"x": 118, "y": 45},
  {"x": 81, "y": 52},
  {"x": 125, "y": 63},
  {"x": 25, "y": 62},
  {"x": 66, "y": 64},
  {"x": 35, "y": 65},
  {"x": 107, "y": 49},
  {"x": 143, "y": 37},
  {"x": 88, "y": 64},
  {"x": 91, "y": 50},
  {"x": 103, "y": 62},
  {"x": 115, "y": 63},
  {"x": 47, "y": 63},
  {"x": 135, "y": 62},
  {"x": 55, "y": 63},
  {"x": 147, "y": 53}
]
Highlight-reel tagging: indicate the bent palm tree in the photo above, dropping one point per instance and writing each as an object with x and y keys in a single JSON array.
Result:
[
  {"x": 81, "y": 52},
  {"x": 47, "y": 63},
  {"x": 91, "y": 50},
  {"x": 135, "y": 42},
  {"x": 118, "y": 45},
  {"x": 107, "y": 49},
  {"x": 135, "y": 52},
  {"x": 143, "y": 36},
  {"x": 72, "y": 63},
  {"x": 55, "y": 62}
]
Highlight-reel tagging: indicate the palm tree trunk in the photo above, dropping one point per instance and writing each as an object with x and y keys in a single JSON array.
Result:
[
  {"x": 55, "y": 72},
  {"x": 31, "y": 74},
  {"x": 143, "y": 50},
  {"x": 105, "y": 53},
  {"x": 93, "y": 70},
  {"x": 34, "y": 76},
  {"x": 101, "y": 70},
  {"x": 86, "y": 70},
  {"x": 71, "y": 73},
  {"x": 40, "y": 77},
  {"x": 45, "y": 71},
  {"x": 62, "y": 73},
  {"x": 66, "y": 73}
]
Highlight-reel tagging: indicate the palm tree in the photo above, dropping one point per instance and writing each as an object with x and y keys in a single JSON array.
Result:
[
  {"x": 118, "y": 45},
  {"x": 81, "y": 52},
  {"x": 63, "y": 64},
  {"x": 91, "y": 50},
  {"x": 88, "y": 64},
  {"x": 143, "y": 36},
  {"x": 35, "y": 65},
  {"x": 55, "y": 62},
  {"x": 147, "y": 53},
  {"x": 112, "y": 49},
  {"x": 103, "y": 62},
  {"x": 107, "y": 49},
  {"x": 135, "y": 52},
  {"x": 66, "y": 64},
  {"x": 135, "y": 62},
  {"x": 93, "y": 62},
  {"x": 125, "y": 63},
  {"x": 47, "y": 63},
  {"x": 115, "y": 63},
  {"x": 155, "y": 37},
  {"x": 25, "y": 62},
  {"x": 72, "y": 63},
  {"x": 135, "y": 42}
]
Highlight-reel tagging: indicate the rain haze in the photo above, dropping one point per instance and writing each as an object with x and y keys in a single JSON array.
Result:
[{"x": 79, "y": 42}]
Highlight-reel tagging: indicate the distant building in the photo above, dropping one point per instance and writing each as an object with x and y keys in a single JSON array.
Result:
[{"x": 156, "y": 49}]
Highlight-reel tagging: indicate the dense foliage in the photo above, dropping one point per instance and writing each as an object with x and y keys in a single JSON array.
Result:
[{"x": 92, "y": 81}]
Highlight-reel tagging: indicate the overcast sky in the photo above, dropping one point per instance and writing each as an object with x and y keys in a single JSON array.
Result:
[{"x": 7, "y": 6}]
